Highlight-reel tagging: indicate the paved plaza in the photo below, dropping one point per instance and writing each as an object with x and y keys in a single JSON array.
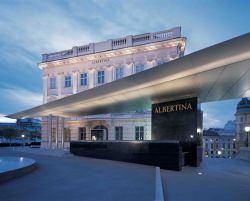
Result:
[
  {"x": 214, "y": 180},
  {"x": 67, "y": 177},
  {"x": 72, "y": 178}
]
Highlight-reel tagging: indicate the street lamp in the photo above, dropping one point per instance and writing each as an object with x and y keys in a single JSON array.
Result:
[
  {"x": 198, "y": 130},
  {"x": 247, "y": 129},
  {"x": 219, "y": 153},
  {"x": 23, "y": 138}
]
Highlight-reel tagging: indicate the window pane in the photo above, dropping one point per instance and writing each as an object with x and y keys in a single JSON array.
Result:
[
  {"x": 84, "y": 79},
  {"x": 52, "y": 83},
  {"x": 67, "y": 81},
  {"x": 100, "y": 77},
  {"x": 119, "y": 73},
  {"x": 139, "y": 68}
]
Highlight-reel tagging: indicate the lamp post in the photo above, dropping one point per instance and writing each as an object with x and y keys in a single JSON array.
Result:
[{"x": 247, "y": 129}]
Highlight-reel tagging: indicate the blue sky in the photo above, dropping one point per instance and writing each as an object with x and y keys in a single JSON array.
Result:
[{"x": 32, "y": 27}]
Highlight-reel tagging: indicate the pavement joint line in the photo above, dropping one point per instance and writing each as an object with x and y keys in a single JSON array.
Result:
[{"x": 158, "y": 185}]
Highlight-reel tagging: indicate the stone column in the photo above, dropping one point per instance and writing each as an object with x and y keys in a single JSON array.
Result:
[
  {"x": 128, "y": 70},
  {"x": 50, "y": 130},
  {"x": 91, "y": 74},
  {"x": 45, "y": 88},
  {"x": 110, "y": 76},
  {"x": 75, "y": 81},
  {"x": 62, "y": 132},
  {"x": 57, "y": 131}
]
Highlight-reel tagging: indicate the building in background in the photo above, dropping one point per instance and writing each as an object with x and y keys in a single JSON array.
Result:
[
  {"x": 29, "y": 125},
  {"x": 84, "y": 67},
  {"x": 29, "y": 128},
  {"x": 242, "y": 117},
  {"x": 220, "y": 142}
]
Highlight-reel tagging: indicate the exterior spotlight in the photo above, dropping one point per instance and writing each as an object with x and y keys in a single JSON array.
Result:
[
  {"x": 191, "y": 136},
  {"x": 219, "y": 153},
  {"x": 247, "y": 129},
  {"x": 22, "y": 135},
  {"x": 234, "y": 139},
  {"x": 198, "y": 130}
]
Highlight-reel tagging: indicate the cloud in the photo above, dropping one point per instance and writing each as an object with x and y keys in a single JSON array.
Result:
[
  {"x": 211, "y": 121},
  {"x": 6, "y": 120},
  {"x": 23, "y": 97}
]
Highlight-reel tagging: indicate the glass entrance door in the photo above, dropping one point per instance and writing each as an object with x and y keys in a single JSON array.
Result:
[{"x": 97, "y": 134}]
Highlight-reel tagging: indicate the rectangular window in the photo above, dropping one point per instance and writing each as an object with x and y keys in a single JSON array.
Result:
[
  {"x": 84, "y": 79},
  {"x": 53, "y": 134},
  {"x": 119, "y": 133},
  {"x": 119, "y": 73},
  {"x": 100, "y": 77},
  {"x": 159, "y": 62},
  {"x": 139, "y": 133},
  {"x": 139, "y": 68},
  {"x": 66, "y": 134},
  {"x": 52, "y": 83},
  {"x": 82, "y": 133},
  {"x": 67, "y": 81}
]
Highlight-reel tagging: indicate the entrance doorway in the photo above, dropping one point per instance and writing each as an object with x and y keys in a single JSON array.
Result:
[{"x": 99, "y": 133}]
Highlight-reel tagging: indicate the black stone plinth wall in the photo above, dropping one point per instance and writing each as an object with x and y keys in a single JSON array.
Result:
[{"x": 165, "y": 154}]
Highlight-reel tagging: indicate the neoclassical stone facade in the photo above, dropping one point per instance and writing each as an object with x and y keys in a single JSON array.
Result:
[
  {"x": 84, "y": 67},
  {"x": 242, "y": 117}
]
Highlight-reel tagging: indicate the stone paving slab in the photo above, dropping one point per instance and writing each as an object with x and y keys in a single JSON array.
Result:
[
  {"x": 79, "y": 179},
  {"x": 214, "y": 180}
]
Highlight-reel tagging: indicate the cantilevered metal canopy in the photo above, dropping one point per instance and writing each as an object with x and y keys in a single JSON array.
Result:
[{"x": 215, "y": 73}]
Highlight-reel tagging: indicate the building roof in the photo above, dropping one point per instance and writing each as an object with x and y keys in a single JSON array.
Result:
[
  {"x": 243, "y": 106},
  {"x": 210, "y": 133},
  {"x": 215, "y": 73}
]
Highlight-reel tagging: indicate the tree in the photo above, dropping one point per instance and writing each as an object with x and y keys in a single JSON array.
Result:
[{"x": 9, "y": 133}]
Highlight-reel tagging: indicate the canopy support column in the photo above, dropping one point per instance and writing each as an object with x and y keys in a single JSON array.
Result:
[
  {"x": 50, "y": 131},
  {"x": 57, "y": 130}
]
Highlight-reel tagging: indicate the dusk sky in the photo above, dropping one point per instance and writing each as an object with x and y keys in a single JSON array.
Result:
[{"x": 32, "y": 27}]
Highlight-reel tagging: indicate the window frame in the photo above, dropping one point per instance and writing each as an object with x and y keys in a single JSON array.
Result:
[
  {"x": 101, "y": 77},
  {"x": 82, "y": 133},
  {"x": 67, "y": 81},
  {"x": 140, "y": 67},
  {"x": 119, "y": 72},
  {"x": 52, "y": 85},
  {"x": 118, "y": 132},
  {"x": 139, "y": 133}
]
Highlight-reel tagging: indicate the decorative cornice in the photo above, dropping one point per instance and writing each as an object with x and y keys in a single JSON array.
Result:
[{"x": 116, "y": 53}]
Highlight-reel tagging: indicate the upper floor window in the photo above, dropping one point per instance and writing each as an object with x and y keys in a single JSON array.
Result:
[
  {"x": 100, "y": 77},
  {"x": 52, "y": 83},
  {"x": 139, "y": 68},
  {"x": 67, "y": 81},
  {"x": 139, "y": 133},
  {"x": 119, "y": 73},
  {"x": 84, "y": 79}
]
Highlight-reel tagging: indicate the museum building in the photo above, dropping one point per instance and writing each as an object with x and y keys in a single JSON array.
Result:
[{"x": 84, "y": 67}]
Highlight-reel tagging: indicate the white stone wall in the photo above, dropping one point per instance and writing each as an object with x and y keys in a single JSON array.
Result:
[
  {"x": 127, "y": 121},
  {"x": 108, "y": 65},
  {"x": 242, "y": 120},
  {"x": 149, "y": 55}
]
